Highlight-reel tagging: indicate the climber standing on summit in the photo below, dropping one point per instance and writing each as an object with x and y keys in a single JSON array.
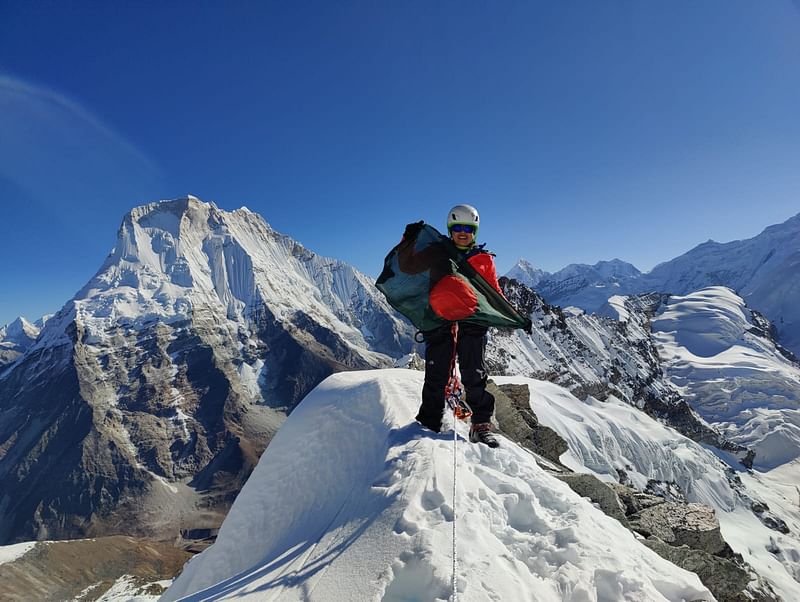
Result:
[
  {"x": 462, "y": 226},
  {"x": 447, "y": 287}
]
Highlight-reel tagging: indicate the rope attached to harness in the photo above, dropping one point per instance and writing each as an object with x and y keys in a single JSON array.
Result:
[
  {"x": 454, "y": 396},
  {"x": 454, "y": 390}
]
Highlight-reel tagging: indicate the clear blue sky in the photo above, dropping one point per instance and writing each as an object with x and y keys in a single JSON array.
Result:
[{"x": 582, "y": 131}]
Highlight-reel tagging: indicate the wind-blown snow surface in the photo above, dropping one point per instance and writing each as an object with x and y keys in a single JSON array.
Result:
[
  {"x": 733, "y": 377},
  {"x": 352, "y": 501}
]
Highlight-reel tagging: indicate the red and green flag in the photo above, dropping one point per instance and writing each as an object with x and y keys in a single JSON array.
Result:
[{"x": 430, "y": 282}]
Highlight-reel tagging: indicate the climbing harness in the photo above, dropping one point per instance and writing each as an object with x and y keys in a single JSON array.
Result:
[
  {"x": 454, "y": 390},
  {"x": 454, "y": 396}
]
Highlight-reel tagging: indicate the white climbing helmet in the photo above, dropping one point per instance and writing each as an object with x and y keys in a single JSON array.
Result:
[{"x": 463, "y": 214}]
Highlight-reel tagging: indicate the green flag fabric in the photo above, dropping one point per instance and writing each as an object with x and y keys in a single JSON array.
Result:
[{"x": 430, "y": 282}]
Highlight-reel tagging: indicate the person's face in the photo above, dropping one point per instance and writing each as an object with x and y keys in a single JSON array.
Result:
[{"x": 461, "y": 236}]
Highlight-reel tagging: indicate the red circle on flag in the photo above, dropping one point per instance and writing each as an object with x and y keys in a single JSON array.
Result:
[{"x": 453, "y": 299}]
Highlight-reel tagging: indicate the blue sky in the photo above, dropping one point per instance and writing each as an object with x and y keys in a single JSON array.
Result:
[{"x": 582, "y": 131}]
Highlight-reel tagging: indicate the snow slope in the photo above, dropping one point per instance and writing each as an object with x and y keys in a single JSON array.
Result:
[
  {"x": 779, "y": 488},
  {"x": 14, "y": 551},
  {"x": 732, "y": 375},
  {"x": 616, "y": 442},
  {"x": 353, "y": 501}
]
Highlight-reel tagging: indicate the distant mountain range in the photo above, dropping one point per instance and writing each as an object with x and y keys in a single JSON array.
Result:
[{"x": 764, "y": 270}]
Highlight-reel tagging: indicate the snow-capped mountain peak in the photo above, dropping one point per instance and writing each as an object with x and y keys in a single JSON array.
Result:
[
  {"x": 19, "y": 332},
  {"x": 586, "y": 286},
  {"x": 171, "y": 250},
  {"x": 601, "y": 271},
  {"x": 16, "y": 338},
  {"x": 616, "y": 268},
  {"x": 526, "y": 273},
  {"x": 175, "y": 258},
  {"x": 168, "y": 373}
]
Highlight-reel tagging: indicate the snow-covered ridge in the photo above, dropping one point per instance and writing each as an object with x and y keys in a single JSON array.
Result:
[
  {"x": 764, "y": 270},
  {"x": 732, "y": 375},
  {"x": 365, "y": 512}
]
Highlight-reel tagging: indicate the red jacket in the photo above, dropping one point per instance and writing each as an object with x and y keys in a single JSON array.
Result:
[{"x": 483, "y": 262}]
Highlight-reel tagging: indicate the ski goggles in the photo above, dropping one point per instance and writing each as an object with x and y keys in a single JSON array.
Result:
[{"x": 462, "y": 228}]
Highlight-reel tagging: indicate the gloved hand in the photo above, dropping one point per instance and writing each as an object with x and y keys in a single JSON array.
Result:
[
  {"x": 528, "y": 327},
  {"x": 412, "y": 230}
]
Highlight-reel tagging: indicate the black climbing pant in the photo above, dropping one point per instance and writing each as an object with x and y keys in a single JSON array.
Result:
[{"x": 438, "y": 353}]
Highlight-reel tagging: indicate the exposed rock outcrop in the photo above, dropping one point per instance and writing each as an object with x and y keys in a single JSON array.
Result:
[
  {"x": 518, "y": 422},
  {"x": 693, "y": 525},
  {"x": 729, "y": 579}
]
